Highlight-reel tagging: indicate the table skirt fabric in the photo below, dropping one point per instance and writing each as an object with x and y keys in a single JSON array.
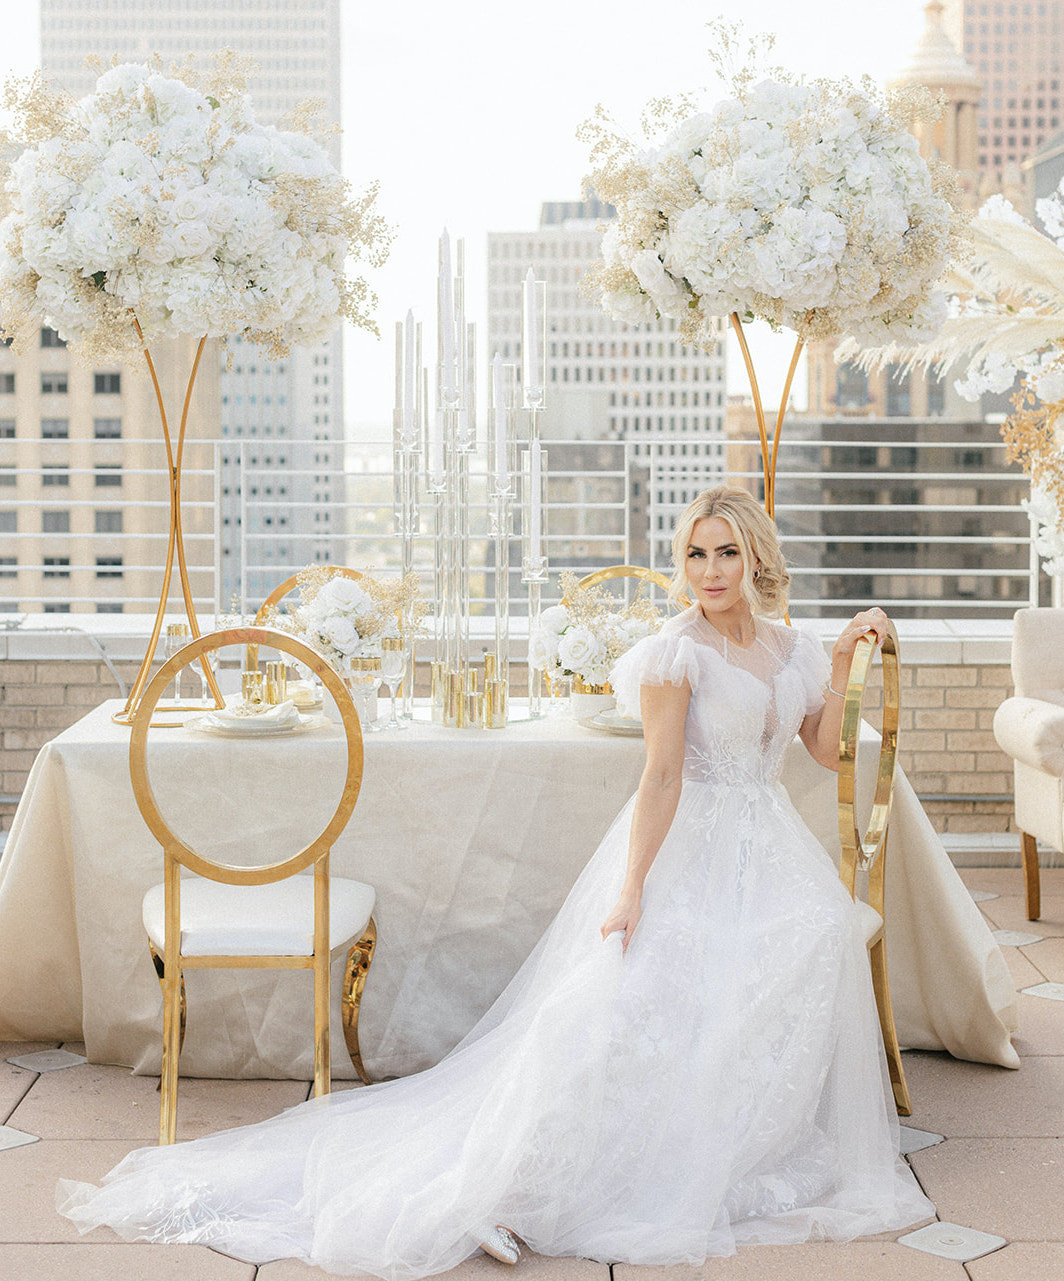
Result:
[{"x": 471, "y": 840}]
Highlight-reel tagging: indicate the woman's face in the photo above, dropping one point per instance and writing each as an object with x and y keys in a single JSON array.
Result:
[{"x": 714, "y": 563}]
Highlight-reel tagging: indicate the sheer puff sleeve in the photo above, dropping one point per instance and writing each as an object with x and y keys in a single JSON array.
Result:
[
  {"x": 664, "y": 659},
  {"x": 813, "y": 667}
]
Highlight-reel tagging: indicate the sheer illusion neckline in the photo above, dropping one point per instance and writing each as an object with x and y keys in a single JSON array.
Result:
[{"x": 761, "y": 659}]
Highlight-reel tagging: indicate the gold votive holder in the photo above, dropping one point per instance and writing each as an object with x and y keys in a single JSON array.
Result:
[
  {"x": 251, "y": 689},
  {"x": 456, "y": 701},
  {"x": 474, "y": 710},
  {"x": 276, "y": 682},
  {"x": 489, "y": 668},
  {"x": 495, "y": 708}
]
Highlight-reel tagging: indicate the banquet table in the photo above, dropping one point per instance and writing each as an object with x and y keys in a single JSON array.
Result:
[{"x": 471, "y": 839}]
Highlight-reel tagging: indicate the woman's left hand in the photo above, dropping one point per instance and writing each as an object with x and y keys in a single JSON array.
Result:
[{"x": 872, "y": 620}]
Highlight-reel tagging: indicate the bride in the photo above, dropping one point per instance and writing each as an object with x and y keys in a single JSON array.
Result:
[{"x": 689, "y": 1060}]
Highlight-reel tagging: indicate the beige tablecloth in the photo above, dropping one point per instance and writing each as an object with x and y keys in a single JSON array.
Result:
[{"x": 471, "y": 839}]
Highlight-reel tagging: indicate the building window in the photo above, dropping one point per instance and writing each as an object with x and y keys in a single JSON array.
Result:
[
  {"x": 106, "y": 384},
  {"x": 936, "y": 396},
  {"x": 7, "y": 429},
  {"x": 108, "y": 566},
  {"x": 57, "y": 567},
  {"x": 7, "y": 384},
  {"x": 49, "y": 338},
  {"x": 55, "y": 522},
  {"x": 55, "y": 428},
  {"x": 54, "y": 384},
  {"x": 57, "y": 607},
  {"x": 851, "y": 387},
  {"x": 107, "y": 476},
  {"x": 56, "y": 474},
  {"x": 108, "y": 522},
  {"x": 108, "y": 607},
  {"x": 898, "y": 398},
  {"x": 8, "y": 522},
  {"x": 107, "y": 428},
  {"x": 8, "y": 567}
]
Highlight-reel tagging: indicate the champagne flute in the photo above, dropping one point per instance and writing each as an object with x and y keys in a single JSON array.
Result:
[
  {"x": 393, "y": 665},
  {"x": 176, "y": 638},
  {"x": 365, "y": 679}
]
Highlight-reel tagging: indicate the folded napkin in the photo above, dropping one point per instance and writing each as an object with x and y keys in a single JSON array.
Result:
[{"x": 236, "y": 717}]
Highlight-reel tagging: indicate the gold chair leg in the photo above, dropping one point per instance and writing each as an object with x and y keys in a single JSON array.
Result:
[
  {"x": 877, "y": 959},
  {"x": 1031, "y": 879},
  {"x": 168, "y": 1078},
  {"x": 160, "y": 970},
  {"x": 359, "y": 960}
]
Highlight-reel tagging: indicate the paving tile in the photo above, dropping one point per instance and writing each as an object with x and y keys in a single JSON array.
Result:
[
  {"x": 1008, "y": 880},
  {"x": 1009, "y": 912},
  {"x": 14, "y": 1084},
  {"x": 100, "y": 1102},
  {"x": 1021, "y": 1261},
  {"x": 119, "y": 1263},
  {"x": 1047, "y": 957},
  {"x": 1011, "y": 1187},
  {"x": 956, "y": 1098},
  {"x": 1022, "y": 971},
  {"x": 532, "y": 1267},
  {"x": 1041, "y": 1028},
  {"x": 952, "y": 1241},
  {"x": 867, "y": 1260},
  {"x": 27, "y": 1189}
]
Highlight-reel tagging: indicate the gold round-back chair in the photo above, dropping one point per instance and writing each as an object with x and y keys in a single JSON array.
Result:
[{"x": 231, "y": 917}]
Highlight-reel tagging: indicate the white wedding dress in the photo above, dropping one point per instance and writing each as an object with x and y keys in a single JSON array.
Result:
[{"x": 722, "y": 1083}]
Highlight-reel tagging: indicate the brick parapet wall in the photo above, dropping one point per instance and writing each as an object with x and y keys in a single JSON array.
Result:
[{"x": 946, "y": 741}]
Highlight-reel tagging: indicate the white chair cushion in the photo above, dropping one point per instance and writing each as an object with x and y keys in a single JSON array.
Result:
[
  {"x": 870, "y": 920},
  {"x": 257, "y": 920}
]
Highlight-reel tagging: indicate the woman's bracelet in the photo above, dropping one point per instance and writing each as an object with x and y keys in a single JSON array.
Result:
[{"x": 835, "y": 691}]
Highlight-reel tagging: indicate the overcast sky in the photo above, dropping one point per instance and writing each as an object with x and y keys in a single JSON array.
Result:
[{"x": 466, "y": 112}]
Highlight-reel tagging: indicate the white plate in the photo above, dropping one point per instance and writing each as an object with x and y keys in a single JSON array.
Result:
[
  {"x": 612, "y": 722},
  {"x": 204, "y": 725}
]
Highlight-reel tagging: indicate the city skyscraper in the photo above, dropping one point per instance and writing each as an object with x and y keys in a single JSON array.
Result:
[
  {"x": 607, "y": 381},
  {"x": 278, "y": 418},
  {"x": 1016, "y": 48}
]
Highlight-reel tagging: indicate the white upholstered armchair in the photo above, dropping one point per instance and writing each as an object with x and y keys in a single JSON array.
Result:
[{"x": 1030, "y": 728}]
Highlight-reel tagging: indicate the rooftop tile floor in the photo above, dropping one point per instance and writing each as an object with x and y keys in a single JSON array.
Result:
[{"x": 1000, "y": 1169}]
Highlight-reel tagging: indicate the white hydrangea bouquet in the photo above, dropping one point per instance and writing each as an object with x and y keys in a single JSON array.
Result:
[
  {"x": 587, "y": 633},
  {"x": 345, "y": 618},
  {"x": 157, "y": 206},
  {"x": 807, "y": 205}
]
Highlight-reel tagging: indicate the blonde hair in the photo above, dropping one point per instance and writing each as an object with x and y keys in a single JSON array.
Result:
[{"x": 758, "y": 540}]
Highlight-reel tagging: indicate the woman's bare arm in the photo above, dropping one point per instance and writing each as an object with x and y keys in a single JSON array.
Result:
[
  {"x": 664, "y": 711},
  {"x": 820, "y": 730}
]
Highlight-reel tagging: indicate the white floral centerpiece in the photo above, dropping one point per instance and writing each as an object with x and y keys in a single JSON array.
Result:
[
  {"x": 345, "y": 618},
  {"x": 808, "y": 205},
  {"x": 584, "y": 636},
  {"x": 1006, "y": 325},
  {"x": 157, "y": 206}
]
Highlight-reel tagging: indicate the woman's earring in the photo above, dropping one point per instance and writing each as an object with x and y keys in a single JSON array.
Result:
[{"x": 757, "y": 573}]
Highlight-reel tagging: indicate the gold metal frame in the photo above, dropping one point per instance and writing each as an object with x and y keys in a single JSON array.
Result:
[
  {"x": 869, "y": 853},
  {"x": 654, "y": 576},
  {"x": 176, "y": 854},
  {"x": 175, "y": 545}
]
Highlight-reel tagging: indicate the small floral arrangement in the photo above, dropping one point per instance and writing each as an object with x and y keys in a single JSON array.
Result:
[
  {"x": 807, "y": 205},
  {"x": 588, "y": 632},
  {"x": 344, "y": 618},
  {"x": 159, "y": 199}
]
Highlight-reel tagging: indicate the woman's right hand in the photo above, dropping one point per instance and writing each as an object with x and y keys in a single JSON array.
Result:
[{"x": 623, "y": 919}]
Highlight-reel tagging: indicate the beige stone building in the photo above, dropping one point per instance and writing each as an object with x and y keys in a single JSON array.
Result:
[{"x": 84, "y": 491}]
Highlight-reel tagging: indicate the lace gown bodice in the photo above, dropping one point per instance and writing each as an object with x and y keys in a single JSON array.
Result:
[
  {"x": 746, "y": 704},
  {"x": 721, "y": 1082}
]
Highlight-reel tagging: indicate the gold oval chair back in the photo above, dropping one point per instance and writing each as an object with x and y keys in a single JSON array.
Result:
[
  {"x": 342, "y": 908},
  {"x": 654, "y": 576},
  {"x": 868, "y": 853},
  {"x": 276, "y": 596}
]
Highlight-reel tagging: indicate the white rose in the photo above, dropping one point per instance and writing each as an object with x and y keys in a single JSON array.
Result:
[
  {"x": 343, "y": 594},
  {"x": 542, "y": 650},
  {"x": 579, "y": 649},
  {"x": 555, "y": 619},
  {"x": 190, "y": 239},
  {"x": 341, "y": 635}
]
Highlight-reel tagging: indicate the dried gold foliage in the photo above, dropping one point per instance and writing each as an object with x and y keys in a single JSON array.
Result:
[{"x": 1032, "y": 435}]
